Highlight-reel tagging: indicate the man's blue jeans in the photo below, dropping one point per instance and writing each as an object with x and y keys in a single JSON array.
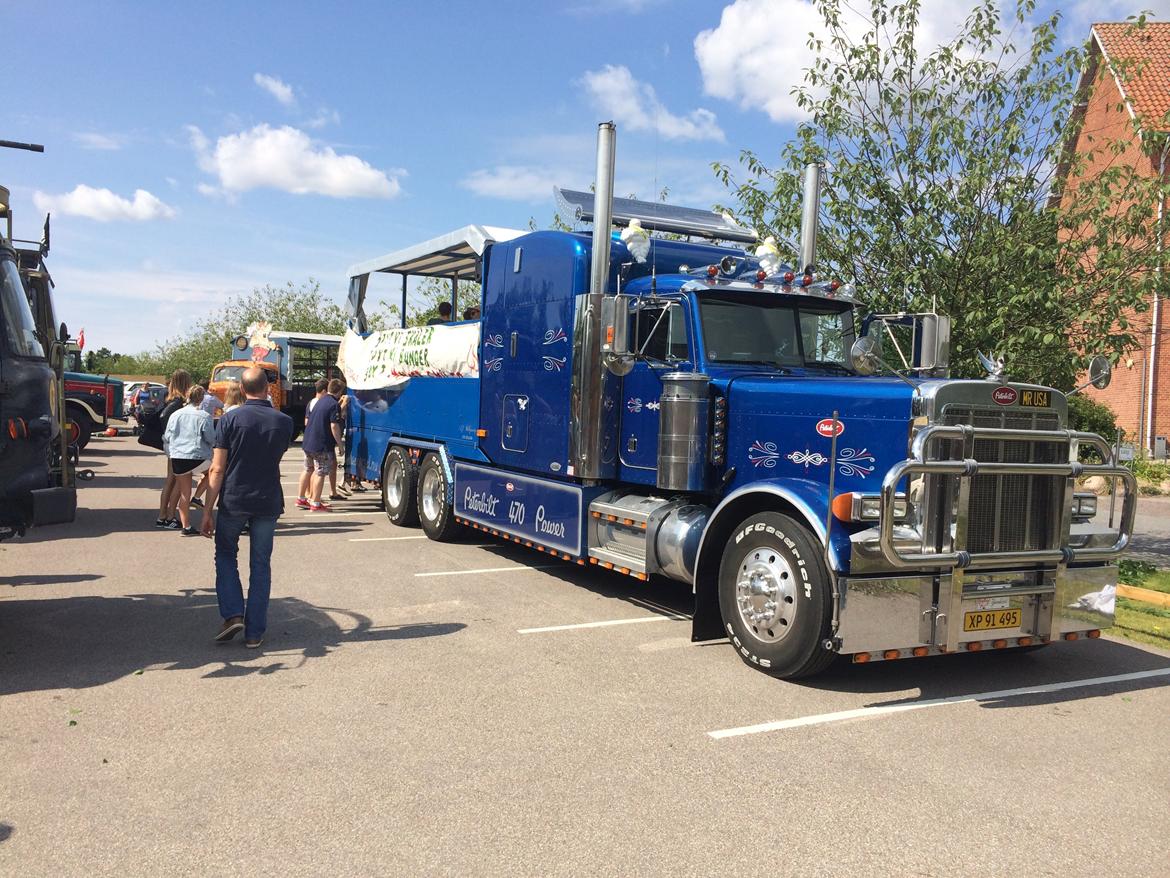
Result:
[{"x": 228, "y": 587}]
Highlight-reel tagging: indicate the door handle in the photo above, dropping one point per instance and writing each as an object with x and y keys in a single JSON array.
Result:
[{"x": 515, "y": 339}]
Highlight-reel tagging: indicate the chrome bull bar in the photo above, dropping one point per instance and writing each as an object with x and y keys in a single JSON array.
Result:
[{"x": 968, "y": 467}]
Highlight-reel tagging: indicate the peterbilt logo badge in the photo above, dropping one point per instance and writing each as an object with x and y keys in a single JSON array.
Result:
[
  {"x": 1005, "y": 395},
  {"x": 825, "y": 427}
]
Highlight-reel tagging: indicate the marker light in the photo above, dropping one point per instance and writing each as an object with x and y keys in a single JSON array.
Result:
[
  {"x": 712, "y": 270},
  {"x": 789, "y": 277},
  {"x": 835, "y": 285},
  {"x": 761, "y": 274},
  {"x": 806, "y": 280}
]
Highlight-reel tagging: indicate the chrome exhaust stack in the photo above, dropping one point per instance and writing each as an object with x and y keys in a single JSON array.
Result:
[
  {"x": 809, "y": 219},
  {"x": 592, "y": 429}
]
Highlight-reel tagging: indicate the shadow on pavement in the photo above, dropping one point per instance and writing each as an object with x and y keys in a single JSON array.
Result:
[
  {"x": 87, "y": 641},
  {"x": 996, "y": 671},
  {"x": 6, "y": 830},
  {"x": 49, "y": 578}
]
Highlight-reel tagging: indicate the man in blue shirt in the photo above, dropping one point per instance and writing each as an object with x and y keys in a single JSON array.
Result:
[
  {"x": 322, "y": 436},
  {"x": 245, "y": 479}
]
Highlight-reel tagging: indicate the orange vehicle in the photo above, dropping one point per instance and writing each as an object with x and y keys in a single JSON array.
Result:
[
  {"x": 293, "y": 361},
  {"x": 223, "y": 374}
]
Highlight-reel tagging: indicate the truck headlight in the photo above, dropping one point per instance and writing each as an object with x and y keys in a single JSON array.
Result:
[
  {"x": 854, "y": 507},
  {"x": 1084, "y": 506}
]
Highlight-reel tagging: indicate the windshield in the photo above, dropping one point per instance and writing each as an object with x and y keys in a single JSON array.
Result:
[
  {"x": 813, "y": 334},
  {"x": 236, "y": 373},
  {"x": 19, "y": 328}
]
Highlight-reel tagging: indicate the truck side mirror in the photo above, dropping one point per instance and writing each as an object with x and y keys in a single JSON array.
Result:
[
  {"x": 933, "y": 349},
  {"x": 617, "y": 341},
  {"x": 63, "y": 334},
  {"x": 866, "y": 355},
  {"x": 1100, "y": 372}
]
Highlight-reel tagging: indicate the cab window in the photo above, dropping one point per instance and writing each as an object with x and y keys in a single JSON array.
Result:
[{"x": 662, "y": 333}]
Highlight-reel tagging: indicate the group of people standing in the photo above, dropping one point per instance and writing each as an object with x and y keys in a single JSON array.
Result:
[{"x": 239, "y": 458}]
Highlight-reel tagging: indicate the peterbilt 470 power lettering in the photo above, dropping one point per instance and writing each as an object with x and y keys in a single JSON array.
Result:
[{"x": 660, "y": 406}]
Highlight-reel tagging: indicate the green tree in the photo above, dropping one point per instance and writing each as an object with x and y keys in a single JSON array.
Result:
[
  {"x": 290, "y": 308},
  {"x": 939, "y": 186}
]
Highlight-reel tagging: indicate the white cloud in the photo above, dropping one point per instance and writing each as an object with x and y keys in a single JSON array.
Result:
[
  {"x": 634, "y": 105},
  {"x": 93, "y": 140},
  {"x": 287, "y": 159},
  {"x": 743, "y": 59},
  {"x": 279, "y": 89},
  {"x": 103, "y": 205},
  {"x": 324, "y": 117},
  {"x": 514, "y": 182}
]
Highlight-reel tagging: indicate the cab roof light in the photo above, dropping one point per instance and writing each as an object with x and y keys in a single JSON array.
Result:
[
  {"x": 761, "y": 275},
  {"x": 712, "y": 270},
  {"x": 789, "y": 277}
]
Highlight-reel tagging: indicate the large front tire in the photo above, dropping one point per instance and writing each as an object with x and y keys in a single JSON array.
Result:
[
  {"x": 434, "y": 507},
  {"x": 399, "y": 477},
  {"x": 79, "y": 428},
  {"x": 774, "y": 595}
]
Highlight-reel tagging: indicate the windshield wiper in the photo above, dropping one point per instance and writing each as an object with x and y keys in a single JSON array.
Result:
[
  {"x": 830, "y": 366},
  {"x": 771, "y": 363}
]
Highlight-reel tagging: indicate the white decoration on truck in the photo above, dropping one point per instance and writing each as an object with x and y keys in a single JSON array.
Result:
[{"x": 393, "y": 356}]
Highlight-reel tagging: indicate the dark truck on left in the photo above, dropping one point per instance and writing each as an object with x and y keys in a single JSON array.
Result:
[{"x": 35, "y": 487}]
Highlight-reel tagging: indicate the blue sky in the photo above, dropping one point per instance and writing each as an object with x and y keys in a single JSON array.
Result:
[{"x": 194, "y": 152}]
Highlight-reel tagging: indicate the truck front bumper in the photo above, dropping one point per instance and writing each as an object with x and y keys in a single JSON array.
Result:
[{"x": 998, "y": 609}]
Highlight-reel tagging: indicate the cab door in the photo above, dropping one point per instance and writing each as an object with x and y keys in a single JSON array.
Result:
[{"x": 660, "y": 331}]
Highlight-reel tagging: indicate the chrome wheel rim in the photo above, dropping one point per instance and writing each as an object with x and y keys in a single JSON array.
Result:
[
  {"x": 765, "y": 593},
  {"x": 395, "y": 484},
  {"x": 431, "y": 491}
]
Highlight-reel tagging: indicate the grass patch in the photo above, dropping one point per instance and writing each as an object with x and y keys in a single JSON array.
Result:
[
  {"x": 1141, "y": 622},
  {"x": 1144, "y": 575}
]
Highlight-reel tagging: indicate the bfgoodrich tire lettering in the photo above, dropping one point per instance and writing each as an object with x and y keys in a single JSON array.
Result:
[
  {"x": 399, "y": 479},
  {"x": 774, "y": 596},
  {"x": 434, "y": 506}
]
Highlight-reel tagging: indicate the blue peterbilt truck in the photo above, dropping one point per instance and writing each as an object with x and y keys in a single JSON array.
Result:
[{"x": 661, "y": 406}]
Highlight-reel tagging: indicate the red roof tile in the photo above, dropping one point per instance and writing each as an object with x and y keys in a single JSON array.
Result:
[{"x": 1140, "y": 57}]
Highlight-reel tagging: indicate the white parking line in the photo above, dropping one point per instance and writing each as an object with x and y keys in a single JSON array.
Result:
[
  {"x": 604, "y": 624},
  {"x": 866, "y": 712},
  {"x": 487, "y": 570},
  {"x": 383, "y": 539}
]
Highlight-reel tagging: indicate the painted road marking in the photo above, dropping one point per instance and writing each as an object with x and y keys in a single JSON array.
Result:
[
  {"x": 866, "y": 712},
  {"x": 605, "y": 624},
  {"x": 487, "y": 570},
  {"x": 383, "y": 539}
]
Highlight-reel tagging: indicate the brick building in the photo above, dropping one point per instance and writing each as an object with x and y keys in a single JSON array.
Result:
[{"x": 1127, "y": 84}]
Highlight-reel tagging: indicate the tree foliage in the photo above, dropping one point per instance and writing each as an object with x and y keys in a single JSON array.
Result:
[
  {"x": 939, "y": 192},
  {"x": 290, "y": 308}
]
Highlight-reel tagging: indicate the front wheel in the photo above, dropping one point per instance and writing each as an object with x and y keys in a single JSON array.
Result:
[
  {"x": 79, "y": 430},
  {"x": 399, "y": 476},
  {"x": 434, "y": 508},
  {"x": 774, "y": 596}
]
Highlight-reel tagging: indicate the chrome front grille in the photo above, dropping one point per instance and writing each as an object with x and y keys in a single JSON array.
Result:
[{"x": 1006, "y": 513}]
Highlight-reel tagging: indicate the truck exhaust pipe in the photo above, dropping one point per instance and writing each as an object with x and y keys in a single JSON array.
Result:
[
  {"x": 810, "y": 205},
  {"x": 592, "y": 429},
  {"x": 602, "y": 207}
]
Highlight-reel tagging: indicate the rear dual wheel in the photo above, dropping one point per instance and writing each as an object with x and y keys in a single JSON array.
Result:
[
  {"x": 399, "y": 477},
  {"x": 434, "y": 500}
]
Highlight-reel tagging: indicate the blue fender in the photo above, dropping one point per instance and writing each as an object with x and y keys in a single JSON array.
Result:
[{"x": 807, "y": 499}]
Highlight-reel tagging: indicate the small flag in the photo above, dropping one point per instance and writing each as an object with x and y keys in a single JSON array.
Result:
[{"x": 81, "y": 339}]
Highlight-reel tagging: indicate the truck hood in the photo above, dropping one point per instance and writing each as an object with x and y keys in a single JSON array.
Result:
[{"x": 781, "y": 427}]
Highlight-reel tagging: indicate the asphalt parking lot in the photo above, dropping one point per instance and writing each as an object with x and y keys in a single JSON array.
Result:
[{"x": 474, "y": 708}]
